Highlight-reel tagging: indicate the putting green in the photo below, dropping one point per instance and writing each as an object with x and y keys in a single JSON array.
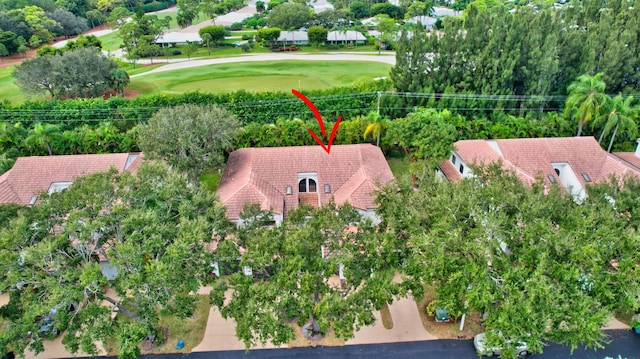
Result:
[{"x": 260, "y": 76}]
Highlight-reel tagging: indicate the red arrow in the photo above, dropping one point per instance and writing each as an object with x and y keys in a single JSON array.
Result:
[{"x": 320, "y": 122}]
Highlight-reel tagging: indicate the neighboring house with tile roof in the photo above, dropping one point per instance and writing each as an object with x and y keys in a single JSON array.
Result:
[
  {"x": 30, "y": 176},
  {"x": 280, "y": 178},
  {"x": 632, "y": 158},
  {"x": 572, "y": 162}
]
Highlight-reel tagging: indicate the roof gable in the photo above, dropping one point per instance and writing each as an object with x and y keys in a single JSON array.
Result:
[
  {"x": 32, "y": 175},
  {"x": 531, "y": 157},
  {"x": 351, "y": 171}
]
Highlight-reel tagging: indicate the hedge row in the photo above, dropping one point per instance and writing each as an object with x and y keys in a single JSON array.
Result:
[{"x": 250, "y": 107}]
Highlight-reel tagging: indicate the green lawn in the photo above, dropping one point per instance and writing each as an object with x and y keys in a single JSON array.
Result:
[
  {"x": 260, "y": 76},
  {"x": 399, "y": 166},
  {"x": 8, "y": 89},
  {"x": 111, "y": 42},
  {"x": 211, "y": 179}
]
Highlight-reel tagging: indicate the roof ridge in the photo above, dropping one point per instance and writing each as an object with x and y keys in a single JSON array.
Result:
[{"x": 623, "y": 162}]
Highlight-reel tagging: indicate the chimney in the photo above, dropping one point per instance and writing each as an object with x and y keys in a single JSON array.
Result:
[{"x": 638, "y": 148}]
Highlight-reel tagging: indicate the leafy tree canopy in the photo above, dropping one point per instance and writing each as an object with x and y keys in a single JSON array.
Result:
[
  {"x": 289, "y": 16},
  {"x": 317, "y": 35},
  {"x": 83, "y": 72},
  {"x": 190, "y": 138},
  {"x": 151, "y": 228},
  {"x": 539, "y": 266},
  {"x": 295, "y": 267}
]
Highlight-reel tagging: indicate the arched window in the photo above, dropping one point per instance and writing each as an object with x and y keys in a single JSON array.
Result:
[{"x": 307, "y": 185}]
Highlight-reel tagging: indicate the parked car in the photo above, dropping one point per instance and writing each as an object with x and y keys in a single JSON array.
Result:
[{"x": 480, "y": 343}]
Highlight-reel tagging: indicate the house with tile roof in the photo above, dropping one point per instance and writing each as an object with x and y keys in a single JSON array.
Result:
[
  {"x": 572, "y": 162},
  {"x": 632, "y": 158},
  {"x": 281, "y": 178},
  {"x": 30, "y": 176}
]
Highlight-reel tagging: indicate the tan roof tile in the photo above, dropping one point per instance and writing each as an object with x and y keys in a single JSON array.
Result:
[
  {"x": 531, "y": 157},
  {"x": 261, "y": 175},
  {"x": 31, "y": 175},
  {"x": 630, "y": 158},
  {"x": 450, "y": 172}
]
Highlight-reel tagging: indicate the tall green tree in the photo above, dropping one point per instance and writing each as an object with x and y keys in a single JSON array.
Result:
[
  {"x": 295, "y": 267},
  {"x": 82, "y": 72},
  {"x": 42, "y": 135},
  {"x": 585, "y": 99},
  {"x": 537, "y": 265},
  {"x": 187, "y": 12},
  {"x": 317, "y": 35},
  {"x": 289, "y": 16},
  {"x": 217, "y": 33},
  {"x": 269, "y": 34},
  {"x": 191, "y": 138},
  {"x": 619, "y": 114},
  {"x": 142, "y": 224},
  {"x": 378, "y": 125},
  {"x": 425, "y": 135}
]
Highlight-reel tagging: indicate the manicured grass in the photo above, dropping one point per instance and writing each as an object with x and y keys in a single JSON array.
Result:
[
  {"x": 257, "y": 76},
  {"x": 8, "y": 89},
  {"x": 211, "y": 179},
  {"x": 111, "y": 42},
  {"x": 385, "y": 314},
  {"x": 191, "y": 330},
  {"x": 399, "y": 166},
  {"x": 243, "y": 32}
]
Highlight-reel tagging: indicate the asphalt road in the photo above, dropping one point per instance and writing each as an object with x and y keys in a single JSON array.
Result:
[{"x": 624, "y": 343}]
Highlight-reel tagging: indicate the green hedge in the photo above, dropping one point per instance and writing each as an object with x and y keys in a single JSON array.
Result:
[{"x": 260, "y": 107}]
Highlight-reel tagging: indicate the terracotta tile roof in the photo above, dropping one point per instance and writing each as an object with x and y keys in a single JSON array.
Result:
[
  {"x": 531, "y": 157},
  {"x": 261, "y": 175},
  {"x": 31, "y": 175},
  {"x": 450, "y": 172},
  {"x": 630, "y": 158}
]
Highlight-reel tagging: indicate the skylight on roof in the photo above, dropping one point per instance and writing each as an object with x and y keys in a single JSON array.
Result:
[
  {"x": 551, "y": 178},
  {"x": 33, "y": 200},
  {"x": 586, "y": 177}
]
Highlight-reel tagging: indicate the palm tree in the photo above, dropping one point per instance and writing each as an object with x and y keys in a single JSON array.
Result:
[
  {"x": 42, "y": 135},
  {"x": 207, "y": 38},
  {"x": 586, "y": 96},
  {"x": 375, "y": 128},
  {"x": 620, "y": 115}
]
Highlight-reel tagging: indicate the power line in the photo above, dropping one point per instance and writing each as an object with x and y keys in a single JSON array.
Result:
[{"x": 134, "y": 113}]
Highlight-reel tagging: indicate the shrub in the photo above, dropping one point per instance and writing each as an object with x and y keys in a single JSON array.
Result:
[{"x": 236, "y": 26}]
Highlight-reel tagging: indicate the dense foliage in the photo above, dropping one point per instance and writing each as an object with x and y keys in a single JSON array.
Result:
[
  {"x": 140, "y": 226},
  {"x": 536, "y": 264},
  {"x": 524, "y": 59},
  {"x": 26, "y": 24},
  {"x": 294, "y": 264},
  {"x": 192, "y": 139},
  {"x": 77, "y": 73}
]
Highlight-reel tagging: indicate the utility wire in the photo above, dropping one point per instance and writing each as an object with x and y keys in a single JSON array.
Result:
[{"x": 126, "y": 113}]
